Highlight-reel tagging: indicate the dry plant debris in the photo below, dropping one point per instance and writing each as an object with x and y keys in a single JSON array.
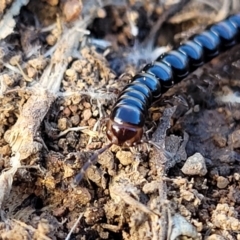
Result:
[
  {"x": 7, "y": 22},
  {"x": 62, "y": 65}
]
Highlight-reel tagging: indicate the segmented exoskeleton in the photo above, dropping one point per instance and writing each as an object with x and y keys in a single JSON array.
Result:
[{"x": 127, "y": 118}]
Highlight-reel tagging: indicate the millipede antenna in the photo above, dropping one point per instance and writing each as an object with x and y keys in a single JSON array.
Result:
[{"x": 91, "y": 161}]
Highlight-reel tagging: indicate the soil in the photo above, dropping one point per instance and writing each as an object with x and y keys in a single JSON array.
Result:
[{"x": 63, "y": 64}]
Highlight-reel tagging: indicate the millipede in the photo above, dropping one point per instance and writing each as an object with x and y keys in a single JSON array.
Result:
[{"x": 127, "y": 118}]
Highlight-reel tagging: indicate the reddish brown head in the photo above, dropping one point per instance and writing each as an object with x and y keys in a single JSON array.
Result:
[
  {"x": 125, "y": 125},
  {"x": 121, "y": 134}
]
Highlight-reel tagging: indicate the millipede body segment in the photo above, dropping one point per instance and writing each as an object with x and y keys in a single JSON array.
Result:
[
  {"x": 127, "y": 118},
  {"x": 125, "y": 125}
]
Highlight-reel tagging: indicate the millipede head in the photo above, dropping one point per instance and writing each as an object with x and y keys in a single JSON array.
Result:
[{"x": 123, "y": 134}]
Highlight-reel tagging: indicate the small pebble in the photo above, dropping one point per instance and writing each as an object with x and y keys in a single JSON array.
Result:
[
  {"x": 71, "y": 74},
  {"x": 91, "y": 122},
  {"x": 31, "y": 72},
  {"x": 125, "y": 157},
  {"x": 11, "y": 120},
  {"x": 72, "y": 9},
  {"x": 95, "y": 113},
  {"x": 76, "y": 99},
  {"x": 51, "y": 39},
  {"x": 75, "y": 120},
  {"x": 156, "y": 116},
  {"x": 226, "y": 155},
  {"x": 5, "y": 150},
  {"x": 220, "y": 140},
  {"x": 101, "y": 13},
  {"x": 196, "y": 108},
  {"x": 234, "y": 138},
  {"x": 62, "y": 124},
  {"x": 86, "y": 104},
  {"x": 222, "y": 182},
  {"x": 66, "y": 112},
  {"x": 150, "y": 187},
  {"x": 73, "y": 108},
  {"x": 195, "y": 165},
  {"x": 86, "y": 114},
  {"x": 77, "y": 65},
  {"x": 236, "y": 176}
]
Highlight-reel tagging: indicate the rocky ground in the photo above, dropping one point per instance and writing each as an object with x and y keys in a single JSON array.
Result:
[{"x": 63, "y": 64}]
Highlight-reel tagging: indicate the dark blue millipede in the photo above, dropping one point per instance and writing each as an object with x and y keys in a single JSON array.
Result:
[{"x": 126, "y": 121}]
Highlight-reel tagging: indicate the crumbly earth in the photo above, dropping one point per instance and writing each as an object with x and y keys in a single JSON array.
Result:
[{"x": 185, "y": 185}]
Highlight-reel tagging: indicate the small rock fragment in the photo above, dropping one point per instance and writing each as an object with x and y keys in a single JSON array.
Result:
[
  {"x": 196, "y": 108},
  {"x": 150, "y": 187},
  {"x": 195, "y": 165},
  {"x": 181, "y": 227},
  {"x": 51, "y": 39},
  {"x": 62, "y": 124},
  {"x": 5, "y": 150},
  {"x": 31, "y": 72},
  {"x": 71, "y": 75},
  {"x": 125, "y": 157},
  {"x": 226, "y": 156},
  {"x": 87, "y": 105},
  {"x": 236, "y": 176},
  {"x": 222, "y": 182},
  {"x": 220, "y": 140},
  {"x": 225, "y": 217},
  {"x": 76, "y": 99},
  {"x": 72, "y": 9},
  {"x": 87, "y": 114},
  {"x": 73, "y": 108},
  {"x": 95, "y": 113},
  {"x": 66, "y": 112},
  {"x": 234, "y": 138},
  {"x": 75, "y": 120},
  {"x": 91, "y": 122}
]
